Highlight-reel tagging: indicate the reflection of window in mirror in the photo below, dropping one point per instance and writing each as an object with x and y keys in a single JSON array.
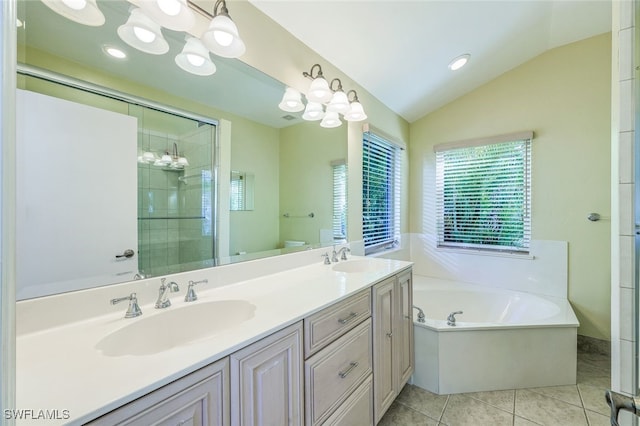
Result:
[
  {"x": 242, "y": 189},
  {"x": 339, "y": 201}
]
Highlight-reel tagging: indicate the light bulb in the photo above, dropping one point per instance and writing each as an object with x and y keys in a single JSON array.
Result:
[
  {"x": 170, "y": 7},
  {"x": 195, "y": 60},
  {"x": 75, "y": 4},
  {"x": 223, "y": 38},
  {"x": 144, "y": 34}
]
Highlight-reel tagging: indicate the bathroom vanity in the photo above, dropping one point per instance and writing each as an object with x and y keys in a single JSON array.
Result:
[{"x": 317, "y": 344}]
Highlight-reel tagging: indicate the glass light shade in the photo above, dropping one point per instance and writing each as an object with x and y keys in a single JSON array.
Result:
[
  {"x": 172, "y": 14},
  {"x": 291, "y": 101},
  {"x": 355, "y": 113},
  {"x": 139, "y": 24},
  {"x": 319, "y": 91},
  {"x": 313, "y": 111},
  {"x": 330, "y": 120},
  {"x": 164, "y": 161},
  {"x": 148, "y": 157},
  {"x": 183, "y": 162},
  {"x": 222, "y": 38},
  {"x": 339, "y": 102},
  {"x": 195, "y": 58},
  {"x": 84, "y": 12}
]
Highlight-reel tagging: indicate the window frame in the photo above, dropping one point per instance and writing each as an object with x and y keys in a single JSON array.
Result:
[
  {"x": 518, "y": 180},
  {"x": 375, "y": 149}
]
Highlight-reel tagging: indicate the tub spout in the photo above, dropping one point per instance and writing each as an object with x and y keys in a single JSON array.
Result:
[
  {"x": 619, "y": 402},
  {"x": 420, "y": 314},
  {"x": 451, "y": 319}
]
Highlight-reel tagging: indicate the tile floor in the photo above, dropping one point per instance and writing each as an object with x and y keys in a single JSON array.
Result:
[{"x": 579, "y": 405}]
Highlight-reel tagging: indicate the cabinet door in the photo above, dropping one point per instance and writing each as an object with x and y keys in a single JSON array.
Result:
[
  {"x": 383, "y": 346},
  {"x": 198, "y": 399},
  {"x": 404, "y": 336},
  {"x": 266, "y": 381}
]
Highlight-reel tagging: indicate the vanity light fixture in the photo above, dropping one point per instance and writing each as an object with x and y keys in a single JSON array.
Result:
[
  {"x": 356, "y": 112},
  {"x": 339, "y": 102},
  {"x": 222, "y": 37},
  {"x": 143, "y": 33},
  {"x": 319, "y": 91},
  {"x": 85, "y": 12},
  {"x": 313, "y": 112},
  {"x": 291, "y": 101},
  {"x": 172, "y": 161},
  {"x": 459, "y": 62},
  {"x": 172, "y": 14},
  {"x": 331, "y": 119},
  {"x": 195, "y": 58}
]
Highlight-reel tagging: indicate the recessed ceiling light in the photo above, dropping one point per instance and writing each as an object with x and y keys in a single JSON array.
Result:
[
  {"x": 114, "y": 52},
  {"x": 459, "y": 62}
]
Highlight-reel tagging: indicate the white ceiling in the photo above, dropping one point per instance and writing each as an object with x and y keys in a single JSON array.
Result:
[{"x": 399, "y": 50}]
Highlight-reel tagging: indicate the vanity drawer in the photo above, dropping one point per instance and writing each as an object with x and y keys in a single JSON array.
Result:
[
  {"x": 357, "y": 410},
  {"x": 325, "y": 326},
  {"x": 336, "y": 371}
]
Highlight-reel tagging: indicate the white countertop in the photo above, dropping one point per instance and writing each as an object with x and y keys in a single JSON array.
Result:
[{"x": 59, "y": 368}]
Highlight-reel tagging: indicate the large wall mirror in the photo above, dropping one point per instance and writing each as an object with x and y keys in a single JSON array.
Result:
[{"x": 159, "y": 154}]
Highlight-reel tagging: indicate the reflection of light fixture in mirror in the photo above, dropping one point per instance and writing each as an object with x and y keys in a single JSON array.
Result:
[
  {"x": 114, "y": 52},
  {"x": 459, "y": 62},
  {"x": 356, "y": 112},
  {"x": 172, "y": 14},
  {"x": 143, "y": 33},
  {"x": 173, "y": 160},
  {"x": 291, "y": 101},
  {"x": 84, "y": 12},
  {"x": 222, "y": 36},
  {"x": 195, "y": 58},
  {"x": 339, "y": 102},
  {"x": 331, "y": 119},
  {"x": 319, "y": 90},
  {"x": 313, "y": 111}
]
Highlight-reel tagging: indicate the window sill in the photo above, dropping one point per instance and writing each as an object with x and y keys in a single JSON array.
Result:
[{"x": 474, "y": 252}]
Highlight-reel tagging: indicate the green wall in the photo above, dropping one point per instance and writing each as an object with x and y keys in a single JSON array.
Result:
[{"x": 563, "y": 96}]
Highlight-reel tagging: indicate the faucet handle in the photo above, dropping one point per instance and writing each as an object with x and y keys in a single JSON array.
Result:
[
  {"x": 191, "y": 295},
  {"x": 334, "y": 255},
  {"x": 326, "y": 259},
  {"x": 133, "y": 310}
]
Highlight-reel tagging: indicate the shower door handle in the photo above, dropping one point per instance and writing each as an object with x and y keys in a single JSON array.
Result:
[{"x": 128, "y": 253}]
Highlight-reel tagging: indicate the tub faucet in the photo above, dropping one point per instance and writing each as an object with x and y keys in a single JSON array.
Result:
[
  {"x": 163, "y": 293},
  {"x": 451, "y": 319},
  {"x": 420, "y": 314},
  {"x": 343, "y": 252}
]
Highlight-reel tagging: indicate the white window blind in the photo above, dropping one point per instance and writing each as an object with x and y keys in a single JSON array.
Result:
[
  {"x": 483, "y": 195},
  {"x": 380, "y": 194},
  {"x": 339, "y": 200}
]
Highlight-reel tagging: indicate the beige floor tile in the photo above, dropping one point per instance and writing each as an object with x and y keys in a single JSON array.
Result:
[
  {"x": 596, "y": 419},
  {"x": 567, "y": 394},
  {"x": 421, "y": 400},
  {"x": 547, "y": 410},
  {"x": 593, "y": 399},
  {"x": 401, "y": 415},
  {"x": 503, "y": 400},
  {"x": 462, "y": 410},
  {"x": 519, "y": 421}
]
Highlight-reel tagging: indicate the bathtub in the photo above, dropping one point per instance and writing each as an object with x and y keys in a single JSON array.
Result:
[{"x": 503, "y": 339}]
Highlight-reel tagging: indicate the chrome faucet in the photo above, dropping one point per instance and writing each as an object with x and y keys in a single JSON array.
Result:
[
  {"x": 334, "y": 255},
  {"x": 420, "y": 314},
  {"x": 327, "y": 261},
  {"x": 343, "y": 252},
  {"x": 191, "y": 293},
  {"x": 451, "y": 319},
  {"x": 163, "y": 293},
  {"x": 133, "y": 310}
]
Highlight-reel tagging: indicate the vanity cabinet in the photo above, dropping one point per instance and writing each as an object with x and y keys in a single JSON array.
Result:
[
  {"x": 198, "y": 399},
  {"x": 338, "y": 347},
  {"x": 266, "y": 381},
  {"x": 393, "y": 357}
]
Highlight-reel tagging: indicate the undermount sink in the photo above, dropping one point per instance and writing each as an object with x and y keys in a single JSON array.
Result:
[
  {"x": 174, "y": 327},
  {"x": 360, "y": 265}
]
